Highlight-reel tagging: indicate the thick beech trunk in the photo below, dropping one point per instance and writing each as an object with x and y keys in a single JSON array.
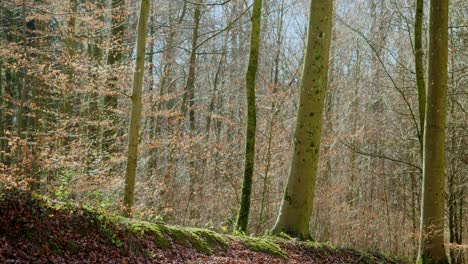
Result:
[
  {"x": 296, "y": 208},
  {"x": 431, "y": 244}
]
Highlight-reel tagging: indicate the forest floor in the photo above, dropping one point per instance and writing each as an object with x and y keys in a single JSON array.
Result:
[{"x": 34, "y": 229}]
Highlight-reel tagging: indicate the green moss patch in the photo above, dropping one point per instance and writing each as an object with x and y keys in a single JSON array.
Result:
[
  {"x": 156, "y": 231},
  {"x": 72, "y": 247},
  {"x": 315, "y": 247},
  {"x": 202, "y": 240},
  {"x": 55, "y": 247},
  {"x": 262, "y": 245},
  {"x": 216, "y": 241}
]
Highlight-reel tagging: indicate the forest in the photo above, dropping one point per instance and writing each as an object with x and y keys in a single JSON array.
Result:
[{"x": 234, "y": 131}]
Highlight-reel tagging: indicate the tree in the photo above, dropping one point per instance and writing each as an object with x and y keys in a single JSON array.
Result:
[
  {"x": 132, "y": 155},
  {"x": 274, "y": 114},
  {"x": 296, "y": 207},
  {"x": 250, "y": 81},
  {"x": 431, "y": 242},
  {"x": 419, "y": 66},
  {"x": 189, "y": 94},
  {"x": 114, "y": 58}
]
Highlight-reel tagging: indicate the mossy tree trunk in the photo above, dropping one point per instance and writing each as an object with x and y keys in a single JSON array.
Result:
[
  {"x": 431, "y": 244},
  {"x": 132, "y": 155},
  {"x": 296, "y": 208},
  {"x": 250, "y": 81}
]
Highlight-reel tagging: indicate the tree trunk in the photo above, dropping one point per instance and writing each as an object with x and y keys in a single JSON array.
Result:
[
  {"x": 264, "y": 205},
  {"x": 2, "y": 114},
  {"x": 22, "y": 89},
  {"x": 431, "y": 244},
  {"x": 243, "y": 216},
  {"x": 71, "y": 48},
  {"x": 418, "y": 58},
  {"x": 166, "y": 193},
  {"x": 114, "y": 58},
  {"x": 296, "y": 208},
  {"x": 132, "y": 155},
  {"x": 189, "y": 93},
  {"x": 189, "y": 97}
]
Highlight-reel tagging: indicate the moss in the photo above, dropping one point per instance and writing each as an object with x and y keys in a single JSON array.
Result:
[
  {"x": 141, "y": 228},
  {"x": 214, "y": 240},
  {"x": 202, "y": 240},
  {"x": 283, "y": 235},
  {"x": 313, "y": 246},
  {"x": 187, "y": 238},
  {"x": 262, "y": 245},
  {"x": 72, "y": 248},
  {"x": 55, "y": 248}
]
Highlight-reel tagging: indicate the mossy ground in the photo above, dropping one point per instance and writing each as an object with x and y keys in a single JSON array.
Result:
[
  {"x": 263, "y": 245},
  {"x": 43, "y": 231},
  {"x": 202, "y": 240}
]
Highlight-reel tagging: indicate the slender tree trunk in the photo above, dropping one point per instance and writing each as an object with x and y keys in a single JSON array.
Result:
[
  {"x": 414, "y": 216},
  {"x": 296, "y": 208},
  {"x": 95, "y": 103},
  {"x": 274, "y": 114},
  {"x": 2, "y": 114},
  {"x": 114, "y": 58},
  {"x": 71, "y": 47},
  {"x": 456, "y": 184},
  {"x": 215, "y": 93},
  {"x": 2, "y": 104},
  {"x": 243, "y": 216},
  {"x": 132, "y": 155},
  {"x": 152, "y": 120},
  {"x": 22, "y": 91},
  {"x": 10, "y": 88},
  {"x": 189, "y": 98},
  {"x": 356, "y": 105},
  {"x": 189, "y": 92},
  {"x": 329, "y": 111},
  {"x": 431, "y": 244},
  {"x": 418, "y": 57},
  {"x": 10, "y": 80},
  {"x": 166, "y": 207}
]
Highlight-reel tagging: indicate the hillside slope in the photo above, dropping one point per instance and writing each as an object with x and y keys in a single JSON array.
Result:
[{"x": 34, "y": 229}]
